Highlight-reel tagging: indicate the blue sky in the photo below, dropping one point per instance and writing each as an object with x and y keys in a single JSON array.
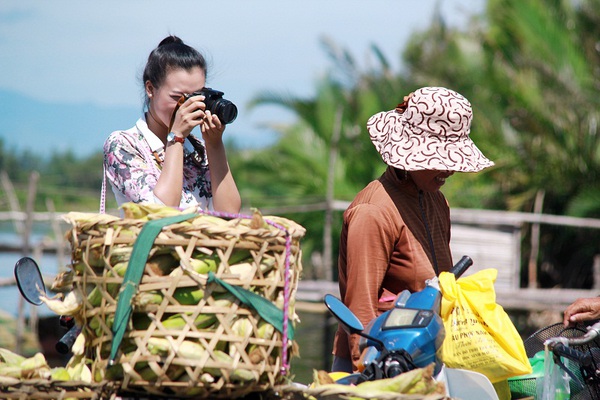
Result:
[{"x": 70, "y": 69}]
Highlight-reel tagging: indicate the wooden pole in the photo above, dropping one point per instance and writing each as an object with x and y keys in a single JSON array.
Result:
[
  {"x": 26, "y": 249},
  {"x": 13, "y": 202},
  {"x": 59, "y": 240},
  {"x": 535, "y": 241}
]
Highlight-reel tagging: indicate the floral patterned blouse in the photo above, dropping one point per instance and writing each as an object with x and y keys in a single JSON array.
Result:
[{"x": 132, "y": 165}]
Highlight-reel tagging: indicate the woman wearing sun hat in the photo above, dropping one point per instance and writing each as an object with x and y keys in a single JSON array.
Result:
[{"x": 396, "y": 232}]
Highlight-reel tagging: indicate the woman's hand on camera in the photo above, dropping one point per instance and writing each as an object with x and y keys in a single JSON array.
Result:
[
  {"x": 189, "y": 115},
  {"x": 212, "y": 128},
  {"x": 193, "y": 113}
]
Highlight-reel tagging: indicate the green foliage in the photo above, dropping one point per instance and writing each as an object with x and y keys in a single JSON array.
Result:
[
  {"x": 530, "y": 71},
  {"x": 69, "y": 182}
]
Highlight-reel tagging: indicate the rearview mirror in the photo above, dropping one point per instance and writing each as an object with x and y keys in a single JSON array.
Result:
[
  {"x": 350, "y": 323},
  {"x": 29, "y": 280}
]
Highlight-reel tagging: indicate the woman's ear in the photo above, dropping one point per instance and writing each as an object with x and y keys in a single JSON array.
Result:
[{"x": 149, "y": 89}]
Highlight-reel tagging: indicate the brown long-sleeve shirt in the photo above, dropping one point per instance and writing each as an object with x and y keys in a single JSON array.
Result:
[{"x": 386, "y": 247}]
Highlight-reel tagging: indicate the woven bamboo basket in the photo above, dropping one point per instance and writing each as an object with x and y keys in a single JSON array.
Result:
[
  {"x": 43, "y": 389},
  {"x": 188, "y": 337}
]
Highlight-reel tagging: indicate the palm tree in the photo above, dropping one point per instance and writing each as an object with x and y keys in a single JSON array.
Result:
[{"x": 327, "y": 154}]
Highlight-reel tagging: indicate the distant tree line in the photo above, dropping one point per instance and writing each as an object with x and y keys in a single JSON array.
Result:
[{"x": 70, "y": 181}]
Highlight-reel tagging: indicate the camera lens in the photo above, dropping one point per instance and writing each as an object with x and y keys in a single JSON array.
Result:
[{"x": 225, "y": 110}]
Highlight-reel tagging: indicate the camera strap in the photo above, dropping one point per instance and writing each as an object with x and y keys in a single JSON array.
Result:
[{"x": 182, "y": 100}]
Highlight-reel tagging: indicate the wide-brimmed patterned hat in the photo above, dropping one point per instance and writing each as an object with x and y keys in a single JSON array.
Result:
[{"x": 432, "y": 133}]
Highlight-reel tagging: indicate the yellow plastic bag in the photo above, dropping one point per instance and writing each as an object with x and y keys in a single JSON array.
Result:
[{"x": 479, "y": 334}]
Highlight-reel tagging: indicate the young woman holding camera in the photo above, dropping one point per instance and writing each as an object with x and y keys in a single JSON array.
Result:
[{"x": 159, "y": 160}]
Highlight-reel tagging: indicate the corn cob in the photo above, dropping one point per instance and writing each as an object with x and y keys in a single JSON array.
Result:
[
  {"x": 16, "y": 366},
  {"x": 238, "y": 374},
  {"x": 188, "y": 295},
  {"x": 78, "y": 369},
  {"x": 88, "y": 219},
  {"x": 78, "y": 347},
  {"x": 147, "y": 373},
  {"x": 148, "y": 297},
  {"x": 60, "y": 374},
  {"x": 239, "y": 255},
  {"x": 120, "y": 254},
  {"x": 204, "y": 265},
  {"x": 187, "y": 349},
  {"x": 245, "y": 271},
  {"x": 6, "y": 381},
  {"x": 113, "y": 373},
  {"x": 148, "y": 211},
  {"x": 242, "y": 327},
  {"x": 176, "y": 321},
  {"x": 10, "y": 358},
  {"x": 12, "y": 371}
]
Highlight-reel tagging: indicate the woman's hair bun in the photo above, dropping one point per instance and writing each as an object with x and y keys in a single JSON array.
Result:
[{"x": 169, "y": 40}]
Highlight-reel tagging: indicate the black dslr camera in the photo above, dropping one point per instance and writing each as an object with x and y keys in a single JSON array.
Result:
[{"x": 216, "y": 104}]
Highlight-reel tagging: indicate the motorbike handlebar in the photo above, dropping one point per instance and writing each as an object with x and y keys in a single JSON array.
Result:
[
  {"x": 461, "y": 266},
  {"x": 63, "y": 346}
]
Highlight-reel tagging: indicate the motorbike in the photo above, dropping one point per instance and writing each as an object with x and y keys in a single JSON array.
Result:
[{"x": 408, "y": 337}]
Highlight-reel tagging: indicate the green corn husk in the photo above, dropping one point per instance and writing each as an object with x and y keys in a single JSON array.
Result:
[
  {"x": 239, "y": 255},
  {"x": 187, "y": 349},
  {"x": 265, "y": 330},
  {"x": 147, "y": 374},
  {"x": 176, "y": 321},
  {"x": 10, "y": 358},
  {"x": 113, "y": 373},
  {"x": 148, "y": 211},
  {"x": 120, "y": 268},
  {"x": 78, "y": 369},
  {"x": 238, "y": 374},
  {"x": 60, "y": 374},
  {"x": 34, "y": 366},
  {"x": 95, "y": 297},
  {"x": 188, "y": 295},
  {"x": 95, "y": 326},
  {"x": 16, "y": 366},
  {"x": 150, "y": 297},
  {"x": 242, "y": 327},
  {"x": 204, "y": 265}
]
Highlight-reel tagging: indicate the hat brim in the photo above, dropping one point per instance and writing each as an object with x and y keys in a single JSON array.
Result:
[{"x": 413, "y": 149}]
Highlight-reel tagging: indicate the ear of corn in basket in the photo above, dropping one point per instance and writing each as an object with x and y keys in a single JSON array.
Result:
[
  {"x": 14, "y": 367},
  {"x": 69, "y": 305}
]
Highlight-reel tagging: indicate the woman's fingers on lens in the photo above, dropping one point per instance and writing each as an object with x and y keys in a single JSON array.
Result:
[{"x": 212, "y": 120}]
